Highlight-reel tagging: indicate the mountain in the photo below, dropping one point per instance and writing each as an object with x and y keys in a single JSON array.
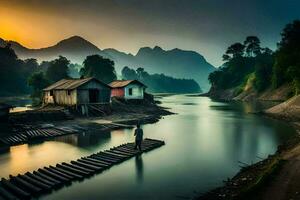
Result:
[
  {"x": 176, "y": 62},
  {"x": 74, "y": 48}
]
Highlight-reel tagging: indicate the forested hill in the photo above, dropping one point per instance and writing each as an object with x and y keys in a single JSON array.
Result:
[
  {"x": 176, "y": 62},
  {"x": 160, "y": 83},
  {"x": 251, "y": 71}
]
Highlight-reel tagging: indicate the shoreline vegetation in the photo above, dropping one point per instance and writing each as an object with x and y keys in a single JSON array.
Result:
[{"x": 252, "y": 73}]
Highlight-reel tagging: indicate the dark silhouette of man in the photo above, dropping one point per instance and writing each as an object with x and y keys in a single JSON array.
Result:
[{"x": 138, "y": 133}]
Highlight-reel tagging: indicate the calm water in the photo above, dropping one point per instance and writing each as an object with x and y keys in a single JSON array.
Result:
[{"x": 204, "y": 143}]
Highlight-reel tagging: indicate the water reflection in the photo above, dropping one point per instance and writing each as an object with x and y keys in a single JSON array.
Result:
[
  {"x": 139, "y": 166},
  {"x": 204, "y": 143},
  {"x": 86, "y": 139}
]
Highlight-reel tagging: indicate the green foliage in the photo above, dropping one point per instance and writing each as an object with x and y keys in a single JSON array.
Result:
[
  {"x": 242, "y": 60},
  {"x": 38, "y": 82},
  {"x": 57, "y": 69},
  {"x": 252, "y": 44},
  {"x": 287, "y": 57},
  {"x": 263, "y": 70},
  {"x": 160, "y": 83},
  {"x": 14, "y": 72},
  {"x": 99, "y": 67}
]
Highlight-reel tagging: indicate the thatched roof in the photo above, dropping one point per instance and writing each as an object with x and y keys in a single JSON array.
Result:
[
  {"x": 124, "y": 83},
  {"x": 70, "y": 84}
]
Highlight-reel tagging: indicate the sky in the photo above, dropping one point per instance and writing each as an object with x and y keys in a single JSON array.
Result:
[{"x": 205, "y": 26}]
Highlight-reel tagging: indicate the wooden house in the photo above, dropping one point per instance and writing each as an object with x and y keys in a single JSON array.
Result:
[
  {"x": 82, "y": 93},
  {"x": 127, "y": 89}
]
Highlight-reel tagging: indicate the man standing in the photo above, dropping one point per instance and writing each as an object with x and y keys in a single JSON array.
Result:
[{"x": 138, "y": 133}]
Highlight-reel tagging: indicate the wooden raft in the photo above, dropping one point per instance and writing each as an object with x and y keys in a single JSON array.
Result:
[
  {"x": 44, "y": 180},
  {"x": 27, "y": 135}
]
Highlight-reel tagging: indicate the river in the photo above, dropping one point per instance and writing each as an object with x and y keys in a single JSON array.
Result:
[{"x": 205, "y": 141}]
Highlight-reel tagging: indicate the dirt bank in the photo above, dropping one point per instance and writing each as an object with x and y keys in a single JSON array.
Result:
[
  {"x": 250, "y": 94},
  {"x": 276, "y": 177}
]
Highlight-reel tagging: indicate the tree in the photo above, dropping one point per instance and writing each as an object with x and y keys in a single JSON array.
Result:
[
  {"x": 235, "y": 50},
  {"x": 128, "y": 74},
  {"x": 13, "y": 73},
  {"x": 263, "y": 70},
  {"x": 58, "y": 69},
  {"x": 99, "y": 67},
  {"x": 38, "y": 82},
  {"x": 252, "y": 46},
  {"x": 287, "y": 57}
]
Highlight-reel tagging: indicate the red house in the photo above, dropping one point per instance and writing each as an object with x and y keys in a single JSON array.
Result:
[{"x": 127, "y": 89}]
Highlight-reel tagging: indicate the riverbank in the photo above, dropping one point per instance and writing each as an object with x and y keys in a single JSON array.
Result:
[
  {"x": 276, "y": 177},
  {"x": 48, "y": 122}
]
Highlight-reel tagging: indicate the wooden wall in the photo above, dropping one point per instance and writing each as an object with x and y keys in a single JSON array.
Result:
[{"x": 137, "y": 91}]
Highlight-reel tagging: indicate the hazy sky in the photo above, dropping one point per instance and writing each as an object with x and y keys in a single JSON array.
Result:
[{"x": 206, "y": 26}]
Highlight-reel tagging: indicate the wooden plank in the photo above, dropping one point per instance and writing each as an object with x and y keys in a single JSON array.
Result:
[
  {"x": 25, "y": 185},
  {"x": 59, "y": 173},
  {"x": 91, "y": 167},
  {"x": 76, "y": 176},
  {"x": 99, "y": 161},
  {"x": 84, "y": 171},
  {"x": 45, "y": 171},
  {"x": 127, "y": 151},
  {"x": 37, "y": 183},
  {"x": 117, "y": 154},
  {"x": 40, "y": 179},
  {"x": 47, "y": 178},
  {"x": 111, "y": 156},
  {"x": 7, "y": 194},
  {"x": 93, "y": 163},
  {"x": 105, "y": 159},
  {"x": 15, "y": 190},
  {"x": 117, "y": 151}
]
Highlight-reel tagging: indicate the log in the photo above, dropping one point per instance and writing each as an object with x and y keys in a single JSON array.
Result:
[
  {"x": 48, "y": 178},
  {"x": 111, "y": 156},
  {"x": 84, "y": 165},
  {"x": 37, "y": 183},
  {"x": 53, "y": 170},
  {"x": 25, "y": 185},
  {"x": 97, "y": 161},
  {"x": 62, "y": 179},
  {"x": 7, "y": 194},
  {"x": 73, "y": 169},
  {"x": 75, "y": 176},
  {"x": 15, "y": 190},
  {"x": 105, "y": 159},
  {"x": 97, "y": 164},
  {"x": 116, "y": 154}
]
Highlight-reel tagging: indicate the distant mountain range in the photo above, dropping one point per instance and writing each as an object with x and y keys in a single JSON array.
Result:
[{"x": 176, "y": 62}]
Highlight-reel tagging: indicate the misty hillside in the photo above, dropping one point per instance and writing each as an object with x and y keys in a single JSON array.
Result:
[{"x": 176, "y": 62}]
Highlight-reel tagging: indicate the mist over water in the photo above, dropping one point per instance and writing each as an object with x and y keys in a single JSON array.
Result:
[{"x": 205, "y": 141}]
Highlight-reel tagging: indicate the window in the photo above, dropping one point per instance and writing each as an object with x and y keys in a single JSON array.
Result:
[
  {"x": 130, "y": 91},
  {"x": 51, "y": 92},
  {"x": 69, "y": 92}
]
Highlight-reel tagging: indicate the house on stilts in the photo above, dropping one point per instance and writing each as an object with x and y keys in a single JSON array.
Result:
[{"x": 89, "y": 96}]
